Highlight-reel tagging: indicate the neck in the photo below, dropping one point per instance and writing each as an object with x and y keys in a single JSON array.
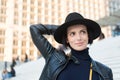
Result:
[{"x": 82, "y": 55}]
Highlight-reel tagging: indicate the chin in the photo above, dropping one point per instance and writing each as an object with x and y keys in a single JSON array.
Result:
[{"x": 80, "y": 48}]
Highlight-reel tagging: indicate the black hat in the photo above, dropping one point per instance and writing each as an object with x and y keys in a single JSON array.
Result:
[{"x": 73, "y": 19}]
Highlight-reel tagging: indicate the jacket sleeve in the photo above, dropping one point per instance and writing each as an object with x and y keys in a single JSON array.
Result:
[
  {"x": 111, "y": 74},
  {"x": 37, "y": 31}
]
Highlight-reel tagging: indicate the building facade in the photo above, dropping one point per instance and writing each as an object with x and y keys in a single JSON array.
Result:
[
  {"x": 17, "y": 15},
  {"x": 114, "y": 5}
]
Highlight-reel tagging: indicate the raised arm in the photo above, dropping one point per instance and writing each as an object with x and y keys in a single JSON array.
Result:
[{"x": 37, "y": 31}]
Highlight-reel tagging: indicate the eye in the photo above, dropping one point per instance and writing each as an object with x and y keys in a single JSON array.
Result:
[
  {"x": 72, "y": 33},
  {"x": 83, "y": 32}
]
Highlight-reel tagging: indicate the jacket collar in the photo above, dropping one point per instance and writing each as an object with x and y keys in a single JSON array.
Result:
[
  {"x": 73, "y": 58},
  {"x": 98, "y": 67},
  {"x": 95, "y": 67}
]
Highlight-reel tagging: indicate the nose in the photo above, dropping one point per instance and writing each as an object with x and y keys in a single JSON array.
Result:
[{"x": 79, "y": 37}]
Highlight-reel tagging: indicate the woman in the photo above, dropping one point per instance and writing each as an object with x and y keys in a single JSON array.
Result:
[
  {"x": 5, "y": 74},
  {"x": 76, "y": 33}
]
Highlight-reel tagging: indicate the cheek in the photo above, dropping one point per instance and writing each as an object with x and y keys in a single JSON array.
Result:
[
  {"x": 70, "y": 40},
  {"x": 87, "y": 38}
]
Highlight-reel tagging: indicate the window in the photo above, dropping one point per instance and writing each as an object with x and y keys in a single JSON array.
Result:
[
  {"x": 3, "y": 2},
  {"x": 2, "y": 40},
  {"x": 31, "y": 44},
  {"x": 14, "y": 51},
  {"x": 23, "y": 43},
  {"x": 2, "y": 18},
  {"x": 25, "y": 1},
  {"x": 32, "y": 9},
  {"x": 24, "y": 7},
  {"x": 31, "y": 52},
  {"x": 24, "y": 23},
  {"x": 15, "y": 42},
  {"x": 2, "y": 32},
  {"x": 23, "y": 52},
  {"x": 1, "y": 50}
]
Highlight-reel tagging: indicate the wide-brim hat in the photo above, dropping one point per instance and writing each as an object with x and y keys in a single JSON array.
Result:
[{"x": 73, "y": 19}]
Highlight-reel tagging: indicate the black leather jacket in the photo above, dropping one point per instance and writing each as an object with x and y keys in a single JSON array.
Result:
[{"x": 56, "y": 60}]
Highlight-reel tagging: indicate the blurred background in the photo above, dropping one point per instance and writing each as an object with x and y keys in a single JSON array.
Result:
[{"x": 16, "y": 16}]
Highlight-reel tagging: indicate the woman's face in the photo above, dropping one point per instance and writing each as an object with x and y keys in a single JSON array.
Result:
[{"x": 77, "y": 37}]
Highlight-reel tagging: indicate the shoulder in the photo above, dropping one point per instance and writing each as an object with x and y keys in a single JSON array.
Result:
[
  {"x": 101, "y": 64},
  {"x": 102, "y": 67}
]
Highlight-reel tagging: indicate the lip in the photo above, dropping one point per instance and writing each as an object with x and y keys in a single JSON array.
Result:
[{"x": 80, "y": 43}]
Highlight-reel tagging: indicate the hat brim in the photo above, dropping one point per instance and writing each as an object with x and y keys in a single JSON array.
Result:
[{"x": 91, "y": 26}]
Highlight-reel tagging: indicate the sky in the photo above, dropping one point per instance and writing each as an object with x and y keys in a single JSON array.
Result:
[{"x": 106, "y": 51}]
